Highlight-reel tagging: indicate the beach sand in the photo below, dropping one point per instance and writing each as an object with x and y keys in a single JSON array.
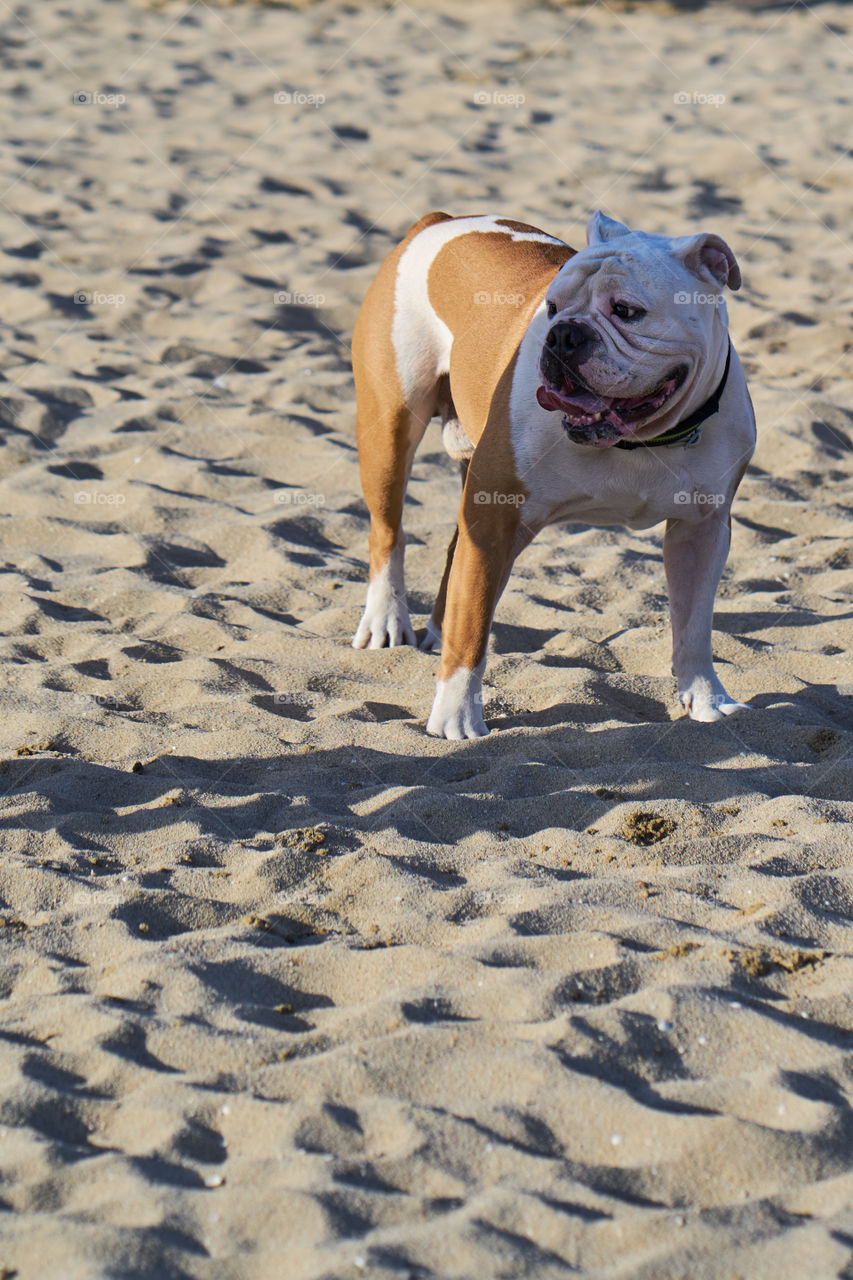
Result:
[{"x": 290, "y": 990}]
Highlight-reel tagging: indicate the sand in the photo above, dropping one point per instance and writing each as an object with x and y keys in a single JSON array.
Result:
[{"x": 288, "y": 988}]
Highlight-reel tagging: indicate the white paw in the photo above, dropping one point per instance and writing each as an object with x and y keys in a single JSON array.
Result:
[
  {"x": 457, "y": 711},
  {"x": 431, "y": 642},
  {"x": 705, "y": 699},
  {"x": 378, "y": 628},
  {"x": 386, "y": 620}
]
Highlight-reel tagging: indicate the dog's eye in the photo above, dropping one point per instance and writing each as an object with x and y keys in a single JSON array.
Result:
[
  {"x": 551, "y": 310},
  {"x": 623, "y": 311}
]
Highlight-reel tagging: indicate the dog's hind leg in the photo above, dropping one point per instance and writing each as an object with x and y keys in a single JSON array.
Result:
[
  {"x": 388, "y": 436},
  {"x": 390, "y": 425}
]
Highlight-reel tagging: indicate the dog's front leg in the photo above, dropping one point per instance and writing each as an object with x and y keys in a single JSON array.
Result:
[
  {"x": 490, "y": 537},
  {"x": 694, "y": 553}
]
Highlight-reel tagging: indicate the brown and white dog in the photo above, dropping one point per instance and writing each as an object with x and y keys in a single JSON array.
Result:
[{"x": 572, "y": 386}]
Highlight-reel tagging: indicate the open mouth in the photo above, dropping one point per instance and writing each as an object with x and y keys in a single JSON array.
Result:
[{"x": 587, "y": 415}]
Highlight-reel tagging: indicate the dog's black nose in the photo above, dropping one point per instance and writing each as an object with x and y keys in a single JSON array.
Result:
[{"x": 569, "y": 337}]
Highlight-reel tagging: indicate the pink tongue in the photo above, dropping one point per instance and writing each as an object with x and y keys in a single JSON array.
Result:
[{"x": 579, "y": 401}]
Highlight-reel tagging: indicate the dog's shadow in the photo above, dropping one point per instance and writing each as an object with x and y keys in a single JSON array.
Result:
[{"x": 438, "y": 793}]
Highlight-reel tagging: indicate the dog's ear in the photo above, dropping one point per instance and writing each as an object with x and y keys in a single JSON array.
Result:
[
  {"x": 710, "y": 258},
  {"x": 600, "y": 228}
]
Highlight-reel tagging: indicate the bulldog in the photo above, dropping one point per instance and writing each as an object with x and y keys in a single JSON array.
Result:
[{"x": 597, "y": 386}]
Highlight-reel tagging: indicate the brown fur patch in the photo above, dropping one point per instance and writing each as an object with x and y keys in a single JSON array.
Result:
[
  {"x": 486, "y": 536},
  {"x": 470, "y": 282},
  {"x": 486, "y": 286}
]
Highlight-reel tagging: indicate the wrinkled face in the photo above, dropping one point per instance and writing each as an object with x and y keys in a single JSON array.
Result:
[{"x": 631, "y": 320}]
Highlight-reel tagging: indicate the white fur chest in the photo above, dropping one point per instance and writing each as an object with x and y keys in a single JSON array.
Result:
[{"x": 633, "y": 488}]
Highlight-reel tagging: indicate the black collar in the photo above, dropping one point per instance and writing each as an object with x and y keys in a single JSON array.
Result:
[{"x": 688, "y": 430}]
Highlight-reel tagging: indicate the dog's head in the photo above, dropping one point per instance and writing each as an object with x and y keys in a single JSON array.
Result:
[{"x": 633, "y": 320}]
